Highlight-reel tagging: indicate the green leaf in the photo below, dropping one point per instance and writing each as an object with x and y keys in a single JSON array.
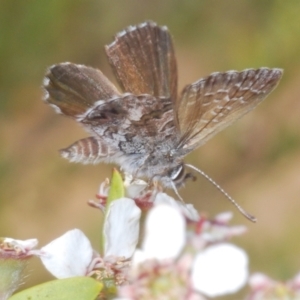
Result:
[
  {"x": 11, "y": 273},
  {"x": 116, "y": 190},
  {"x": 75, "y": 288}
]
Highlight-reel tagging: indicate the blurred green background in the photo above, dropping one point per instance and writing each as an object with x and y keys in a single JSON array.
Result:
[{"x": 257, "y": 160}]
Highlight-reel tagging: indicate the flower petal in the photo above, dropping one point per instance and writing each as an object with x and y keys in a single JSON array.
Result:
[
  {"x": 260, "y": 281},
  {"x": 164, "y": 232},
  {"x": 17, "y": 247},
  {"x": 121, "y": 228},
  {"x": 220, "y": 269},
  {"x": 69, "y": 255},
  {"x": 187, "y": 209},
  {"x": 133, "y": 187},
  {"x": 224, "y": 217}
]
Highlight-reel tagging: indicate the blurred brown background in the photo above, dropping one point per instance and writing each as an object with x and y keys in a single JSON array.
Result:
[{"x": 257, "y": 160}]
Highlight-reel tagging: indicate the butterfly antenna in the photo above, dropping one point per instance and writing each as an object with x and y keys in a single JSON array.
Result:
[{"x": 241, "y": 210}]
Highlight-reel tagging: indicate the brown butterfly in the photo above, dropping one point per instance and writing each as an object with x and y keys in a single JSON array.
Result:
[{"x": 147, "y": 128}]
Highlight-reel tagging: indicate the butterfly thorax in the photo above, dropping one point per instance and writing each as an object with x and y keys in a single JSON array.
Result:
[{"x": 136, "y": 132}]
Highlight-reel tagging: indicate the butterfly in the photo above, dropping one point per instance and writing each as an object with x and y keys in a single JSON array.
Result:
[{"x": 147, "y": 128}]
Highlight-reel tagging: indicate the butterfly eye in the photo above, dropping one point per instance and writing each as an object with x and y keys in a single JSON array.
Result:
[
  {"x": 179, "y": 176},
  {"x": 177, "y": 173}
]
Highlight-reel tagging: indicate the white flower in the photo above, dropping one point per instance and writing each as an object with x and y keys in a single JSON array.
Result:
[
  {"x": 187, "y": 210},
  {"x": 263, "y": 287},
  {"x": 121, "y": 228},
  {"x": 170, "y": 253},
  {"x": 133, "y": 187},
  {"x": 72, "y": 254},
  {"x": 164, "y": 234},
  {"x": 260, "y": 281},
  {"x": 218, "y": 229},
  {"x": 18, "y": 246},
  {"x": 69, "y": 255},
  {"x": 220, "y": 269}
]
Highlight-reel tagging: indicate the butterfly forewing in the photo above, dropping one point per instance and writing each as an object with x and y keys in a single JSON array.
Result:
[
  {"x": 72, "y": 89},
  {"x": 143, "y": 60},
  {"x": 213, "y": 103}
]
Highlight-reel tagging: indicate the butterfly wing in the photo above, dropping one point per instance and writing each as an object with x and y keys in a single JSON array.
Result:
[
  {"x": 143, "y": 60},
  {"x": 213, "y": 103},
  {"x": 72, "y": 89}
]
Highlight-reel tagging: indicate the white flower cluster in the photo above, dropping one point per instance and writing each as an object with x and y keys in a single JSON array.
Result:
[
  {"x": 181, "y": 255},
  {"x": 154, "y": 247}
]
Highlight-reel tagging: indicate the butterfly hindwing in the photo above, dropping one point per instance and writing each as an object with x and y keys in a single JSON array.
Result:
[{"x": 72, "y": 89}]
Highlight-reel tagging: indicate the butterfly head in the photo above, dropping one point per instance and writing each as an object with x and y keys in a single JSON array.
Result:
[{"x": 177, "y": 177}]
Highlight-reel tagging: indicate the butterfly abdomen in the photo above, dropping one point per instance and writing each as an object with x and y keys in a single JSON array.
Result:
[{"x": 88, "y": 151}]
